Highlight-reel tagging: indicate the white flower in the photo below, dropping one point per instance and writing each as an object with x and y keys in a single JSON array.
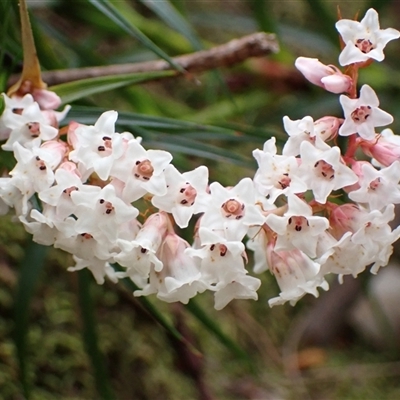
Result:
[
  {"x": 378, "y": 188},
  {"x": 364, "y": 39},
  {"x": 99, "y": 268},
  {"x": 186, "y": 194},
  {"x": 299, "y": 131},
  {"x": 232, "y": 210},
  {"x": 323, "y": 171},
  {"x": 142, "y": 171},
  {"x": 276, "y": 174},
  {"x": 98, "y": 146},
  {"x": 362, "y": 115},
  {"x": 179, "y": 280},
  {"x": 296, "y": 275},
  {"x": 28, "y": 125},
  {"x": 298, "y": 228},
  {"x": 59, "y": 195},
  {"x": 101, "y": 214}
]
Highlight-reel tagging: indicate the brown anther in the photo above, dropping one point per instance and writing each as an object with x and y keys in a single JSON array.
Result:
[
  {"x": 101, "y": 148},
  {"x": 101, "y": 201},
  {"x": 212, "y": 247},
  {"x": 87, "y": 235},
  {"x": 17, "y": 110},
  {"x": 142, "y": 250},
  {"x": 184, "y": 201}
]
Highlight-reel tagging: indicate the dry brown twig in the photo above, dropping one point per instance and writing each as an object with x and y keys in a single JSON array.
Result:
[{"x": 234, "y": 52}]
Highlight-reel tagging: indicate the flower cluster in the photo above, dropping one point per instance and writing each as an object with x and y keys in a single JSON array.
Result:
[{"x": 310, "y": 211}]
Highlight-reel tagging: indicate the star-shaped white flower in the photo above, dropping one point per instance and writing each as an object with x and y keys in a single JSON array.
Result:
[
  {"x": 323, "y": 171},
  {"x": 364, "y": 39},
  {"x": 362, "y": 115},
  {"x": 232, "y": 210},
  {"x": 297, "y": 228},
  {"x": 276, "y": 174},
  {"x": 98, "y": 146},
  {"x": 186, "y": 194},
  {"x": 299, "y": 131},
  {"x": 378, "y": 188},
  {"x": 142, "y": 171}
]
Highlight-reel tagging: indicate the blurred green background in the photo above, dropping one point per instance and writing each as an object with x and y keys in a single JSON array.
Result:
[{"x": 64, "y": 337}]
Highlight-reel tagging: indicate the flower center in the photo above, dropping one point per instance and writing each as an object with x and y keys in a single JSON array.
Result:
[
  {"x": 373, "y": 185},
  {"x": 233, "y": 208},
  {"x": 324, "y": 169},
  {"x": 69, "y": 190},
  {"x": 364, "y": 45},
  {"x": 298, "y": 223},
  {"x": 283, "y": 182},
  {"x": 34, "y": 128},
  {"x": 361, "y": 114},
  {"x": 40, "y": 163},
  {"x": 143, "y": 170},
  {"x": 86, "y": 235},
  {"x": 109, "y": 208},
  {"x": 187, "y": 195}
]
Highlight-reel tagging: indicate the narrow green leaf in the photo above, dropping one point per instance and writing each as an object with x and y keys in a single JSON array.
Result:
[
  {"x": 108, "y": 9},
  {"x": 324, "y": 18},
  {"x": 215, "y": 328},
  {"x": 90, "y": 337},
  {"x": 263, "y": 16},
  {"x": 85, "y": 87},
  {"x": 30, "y": 269},
  {"x": 167, "y": 12}
]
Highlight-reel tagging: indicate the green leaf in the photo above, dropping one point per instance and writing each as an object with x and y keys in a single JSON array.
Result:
[
  {"x": 85, "y": 87},
  {"x": 90, "y": 337},
  {"x": 113, "y": 14},
  {"x": 167, "y": 12},
  {"x": 215, "y": 328},
  {"x": 157, "y": 315},
  {"x": 30, "y": 269}
]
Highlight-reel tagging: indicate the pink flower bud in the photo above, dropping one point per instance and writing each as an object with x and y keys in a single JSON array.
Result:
[
  {"x": 47, "y": 100},
  {"x": 327, "y": 127},
  {"x": 326, "y": 76},
  {"x": 70, "y": 167},
  {"x": 344, "y": 219},
  {"x": 57, "y": 148},
  {"x": 385, "y": 152},
  {"x": 71, "y": 136}
]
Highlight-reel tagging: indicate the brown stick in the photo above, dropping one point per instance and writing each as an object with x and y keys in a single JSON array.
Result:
[{"x": 233, "y": 52}]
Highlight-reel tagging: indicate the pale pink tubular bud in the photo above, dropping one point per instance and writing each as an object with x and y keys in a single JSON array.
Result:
[
  {"x": 71, "y": 136},
  {"x": 57, "y": 148},
  {"x": 327, "y": 127},
  {"x": 46, "y": 99},
  {"x": 343, "y": 219},
  {"x": 153, "y": 231},
  {"x": 71, "y": 167},
  {"x": 326, "y": 76},
  {"x": 386, "y": 153}
]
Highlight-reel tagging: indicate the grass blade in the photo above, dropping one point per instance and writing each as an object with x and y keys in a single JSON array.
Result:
[
  {"x": 214, "y": 328},
  {"x": 167, "y": 12},
  {"x": 30, "y": 269},
  {"x": 90, "y": 337},
  {"x": 113, "y": 14},
  {"x": 86, "y": 87}
]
